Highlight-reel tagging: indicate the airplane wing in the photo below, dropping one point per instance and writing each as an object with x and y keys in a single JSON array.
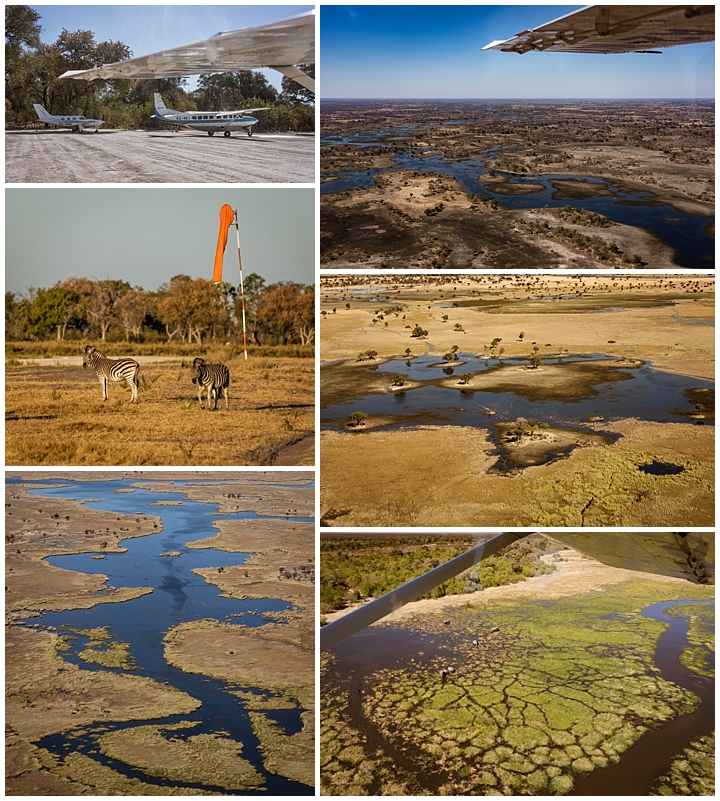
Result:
[
  {"x": 279, "y": 45},
  {"x": 689, "y": 556},
  {"x": 616, "y": 29}
]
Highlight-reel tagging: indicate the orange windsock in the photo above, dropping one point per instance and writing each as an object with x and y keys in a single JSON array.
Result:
[{"x": 227, "y": 215}]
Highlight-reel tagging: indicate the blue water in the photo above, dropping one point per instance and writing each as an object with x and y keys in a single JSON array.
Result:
[
  {"x": 178, "y": 595},
  {"x": 683, "y": 232},
  {"x": 639, "y": 392}
]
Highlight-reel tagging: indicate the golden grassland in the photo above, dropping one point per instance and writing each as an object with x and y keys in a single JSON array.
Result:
[
  {"x": 444, "y": 475},
  {"x": 55, "y": 415}
]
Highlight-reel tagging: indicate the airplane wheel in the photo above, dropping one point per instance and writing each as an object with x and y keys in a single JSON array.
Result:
[
  {"x": 227, "y": 133},
  {"x": 210, "y": 133},
  {"x": 249, "y": 131}
]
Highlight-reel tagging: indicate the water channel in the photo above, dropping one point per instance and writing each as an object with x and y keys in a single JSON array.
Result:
[
  {"x": 617, "y": 392},
  {"x": 392, "y": 647},
  {"x": 178, "y": 595},
  {"x": 685, "y": 233}
]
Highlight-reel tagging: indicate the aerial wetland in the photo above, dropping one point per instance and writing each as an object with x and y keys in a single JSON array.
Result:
[
  {"x": 601, "y": 692},
  {"x": 502, "y": 401},
  {"x": 160, "y": 634},
  {"x": 516, "y": 185}
]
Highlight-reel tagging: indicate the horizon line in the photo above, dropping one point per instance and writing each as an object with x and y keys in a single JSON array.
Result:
[{"x": 524, "y": 99}]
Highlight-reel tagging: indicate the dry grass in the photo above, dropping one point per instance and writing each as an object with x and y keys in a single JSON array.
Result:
[{"x": 55, "y": 416}]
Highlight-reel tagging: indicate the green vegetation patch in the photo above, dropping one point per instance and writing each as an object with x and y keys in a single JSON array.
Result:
[
  {"x": 692, "y": 773},
  {"x": 358, "y": 568},
  {"x": 204, "y": 758},
  {"x": 700, "y": 636},
  {"x": 290, "y": 756},
  {"x": 102, "y": 649},
  {"x": 559, "y": 688},
  {"x": 93, "y": 778}
]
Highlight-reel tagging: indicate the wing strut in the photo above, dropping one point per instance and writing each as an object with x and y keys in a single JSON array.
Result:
[{"x": 349, "y": 624}]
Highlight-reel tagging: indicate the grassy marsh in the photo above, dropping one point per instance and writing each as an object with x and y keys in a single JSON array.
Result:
[{"x": 562, "y": 688}]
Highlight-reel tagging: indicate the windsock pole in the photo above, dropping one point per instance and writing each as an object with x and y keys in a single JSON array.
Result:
[{"x": 242, "y": 288}]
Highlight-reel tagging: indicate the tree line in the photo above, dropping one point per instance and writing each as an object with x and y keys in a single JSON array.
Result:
[
  {"x": 184, "y": 309},
  {"x": 32, "y": 69}
]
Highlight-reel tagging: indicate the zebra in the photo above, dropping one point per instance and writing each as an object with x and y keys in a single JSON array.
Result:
[
  {"x": 216, "y": 377},
  {"x": 113, "y": 369}
]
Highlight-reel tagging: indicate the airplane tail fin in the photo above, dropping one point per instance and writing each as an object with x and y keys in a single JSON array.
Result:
[
  {"x": 160, "y": 107},
  {"x": 40, "y": 111}
]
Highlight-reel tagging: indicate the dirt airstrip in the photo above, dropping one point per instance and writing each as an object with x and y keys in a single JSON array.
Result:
[
  {"x": 114, "y": 156},
  {"x": 442, "y": 475}
]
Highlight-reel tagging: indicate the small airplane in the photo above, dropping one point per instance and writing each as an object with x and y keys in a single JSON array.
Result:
[
  {"x": 616, "y": 29},
  {"x": 278, "y": 45},
  {"x": 63, "y": 121},
  {"x": 210, "y": 121}
]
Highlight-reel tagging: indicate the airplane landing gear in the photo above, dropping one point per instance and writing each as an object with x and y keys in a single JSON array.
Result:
[
  {"x": 250, "y": 131},
  {"x": 210, "y": 133},
  {"x": 227, "y": 133}
]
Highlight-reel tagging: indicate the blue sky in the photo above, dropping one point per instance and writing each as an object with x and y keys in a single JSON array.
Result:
[
  {"x": 146, "y": 236},
  {"x": 426, "y": 51},
  {"x": 146, "y": 29}
]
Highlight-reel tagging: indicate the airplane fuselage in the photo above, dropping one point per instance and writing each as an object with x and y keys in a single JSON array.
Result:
[
  {"x": 76, "y": 123},
  {"x": 210, "y": 121}
]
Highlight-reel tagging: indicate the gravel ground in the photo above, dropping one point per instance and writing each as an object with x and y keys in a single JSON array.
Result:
[{"x": 157, "y": 157}]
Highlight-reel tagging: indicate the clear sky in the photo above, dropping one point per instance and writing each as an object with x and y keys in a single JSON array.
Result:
[
  {"x": 146, "y": 236},
  {"x": 423, "y": 51},
  {"x": 146, "y": 29}
]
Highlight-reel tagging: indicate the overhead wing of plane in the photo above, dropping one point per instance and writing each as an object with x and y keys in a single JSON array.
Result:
[
  {"x": 616, "y": 29},
  {"x": 278, "y": 45},
  {"x": 687, "y": 556}
]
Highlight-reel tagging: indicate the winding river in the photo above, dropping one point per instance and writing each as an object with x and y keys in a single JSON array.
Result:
[
  {"x": 685, "y": 233},
  {"x": 178, "y": 595}
]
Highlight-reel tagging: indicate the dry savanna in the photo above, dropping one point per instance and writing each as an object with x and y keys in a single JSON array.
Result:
[
  {"x": 517, "y": 400},
  {"x": 55, "y": 413}
]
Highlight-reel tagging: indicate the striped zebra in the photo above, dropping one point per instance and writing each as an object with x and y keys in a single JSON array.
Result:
[
  {"x": 112, "y": 369},
  {"x": 216, "y": 377}
]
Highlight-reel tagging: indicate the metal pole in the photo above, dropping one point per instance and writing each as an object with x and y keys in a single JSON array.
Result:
[
  {"x": 242, "y": 288},
  {"x": 349, "y": 624}
]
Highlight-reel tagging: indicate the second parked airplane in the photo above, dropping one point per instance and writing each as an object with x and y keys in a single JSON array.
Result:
[
  {"x": 66, "y": 121},
  {"x": 210, "y": 121}
]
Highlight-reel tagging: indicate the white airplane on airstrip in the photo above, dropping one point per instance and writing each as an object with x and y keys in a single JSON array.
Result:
[
  {"x": 66, "y": 121},
  {"x": 210, "y": 121}
]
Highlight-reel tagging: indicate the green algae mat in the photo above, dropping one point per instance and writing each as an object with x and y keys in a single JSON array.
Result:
[{"x": 559, "y": 689}]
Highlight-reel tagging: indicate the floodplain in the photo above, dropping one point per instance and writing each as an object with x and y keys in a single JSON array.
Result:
[
  {"x": 571, "y": 682},
  {"x": 517, "y": 184},
  {"x": 517, "y": 400},
  {"x": 194, "y": 675},
  {"x": 55, "y": 414},
  {"x": 119, "y": 157}
]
